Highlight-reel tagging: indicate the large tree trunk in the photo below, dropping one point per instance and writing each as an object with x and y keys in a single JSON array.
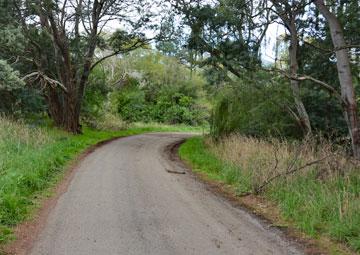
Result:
[
  {"x": 55, "y": 106},
  {"x": 71, "y": 114},
  {"x": 64, "y": 108},
  {"x": 345, "y": 76},
  {"x": 295, "y": 88}
]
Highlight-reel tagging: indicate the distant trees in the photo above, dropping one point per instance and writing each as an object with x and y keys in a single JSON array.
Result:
[{"x": 151, "y": 87}]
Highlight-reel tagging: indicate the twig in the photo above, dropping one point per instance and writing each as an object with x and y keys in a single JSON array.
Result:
[{"x": 288, "y": 172}]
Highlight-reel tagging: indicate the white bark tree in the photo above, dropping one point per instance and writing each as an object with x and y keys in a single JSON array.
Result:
[
  {"x": 345, "y": 77},
  {"x": 288, "y": 14}
]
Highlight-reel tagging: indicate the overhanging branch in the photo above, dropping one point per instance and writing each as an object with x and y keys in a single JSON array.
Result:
[{"x": 324, "y": 85}]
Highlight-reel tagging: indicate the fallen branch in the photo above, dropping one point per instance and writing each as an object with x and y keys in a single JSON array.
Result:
[
  {"x": 174, "y": 172},
  {"x": 289, "y": 171}
]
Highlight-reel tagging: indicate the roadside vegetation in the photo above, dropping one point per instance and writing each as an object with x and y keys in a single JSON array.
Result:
[{"x": 315, "y": 185}]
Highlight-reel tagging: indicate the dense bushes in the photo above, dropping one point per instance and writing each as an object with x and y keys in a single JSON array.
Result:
[
  {"x": 146, "y": 86},
  {"x": 167, "y": 107},
  {"x": 254, "y": 108}
]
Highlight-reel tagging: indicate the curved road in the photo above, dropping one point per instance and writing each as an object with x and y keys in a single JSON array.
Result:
[{"x": 122, "y": 200}]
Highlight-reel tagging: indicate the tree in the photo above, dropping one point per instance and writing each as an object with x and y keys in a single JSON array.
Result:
[
  {"x": 289, "y": 13},
  {"x": 224, "y": 30},
  {"x": 345, "y": 77},
  {"x": 62, "y": 37}
]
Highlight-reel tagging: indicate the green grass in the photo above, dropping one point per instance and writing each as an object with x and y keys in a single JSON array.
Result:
[
  {"x": 33, "y": 159},
  {"x": 203, "y": 161},
  {"x": 329, "y": 207}
]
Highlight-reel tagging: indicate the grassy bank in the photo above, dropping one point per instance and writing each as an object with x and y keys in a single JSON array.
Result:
[
  {"x": 320, "y": 199},
  {"x": 32, "y": 159}
]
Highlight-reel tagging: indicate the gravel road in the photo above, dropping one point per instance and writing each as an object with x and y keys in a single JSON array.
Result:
[{"x": 122, "y": 200}]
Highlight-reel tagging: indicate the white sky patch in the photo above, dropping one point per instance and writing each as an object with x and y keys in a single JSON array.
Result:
[{"x": 269, "y": 44}]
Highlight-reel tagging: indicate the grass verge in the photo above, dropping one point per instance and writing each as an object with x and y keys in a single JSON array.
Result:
[
  {"x": 324, "y": 208},
  {"x": 33, "y": 159}
]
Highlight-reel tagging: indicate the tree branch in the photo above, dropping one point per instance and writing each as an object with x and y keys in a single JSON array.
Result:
[
  {"x": 46, "y": 79},
  {"x": 290, "y": 170},
  {"x": 326, "y": 86},
  {"x": 136, "y": 45}
]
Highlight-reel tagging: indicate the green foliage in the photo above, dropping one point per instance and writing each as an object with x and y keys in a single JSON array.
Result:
[
  {"x": 151, "y": 87},
  {"x": 11, "y": 38},
  {"x": 254, "y": 107},
  {"x": 131, "y": 105},
  {"x": 95, "y": 95},
  {"x": 9, "y": 78},
  {"x": 168, "y": 106},
  {"x": 121, "y": 41},
  {"x": 15, "y": 98}
]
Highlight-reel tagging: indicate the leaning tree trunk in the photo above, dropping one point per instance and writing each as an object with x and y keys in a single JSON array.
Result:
[
  {"x": 295, "y": 88},
  {"x": 345, "y": 76}
]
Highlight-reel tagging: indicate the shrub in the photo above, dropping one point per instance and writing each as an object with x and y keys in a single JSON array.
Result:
[{"x": 253, "y": 109}]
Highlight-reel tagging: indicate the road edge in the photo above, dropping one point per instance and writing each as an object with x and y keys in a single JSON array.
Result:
[
  {"x": 254, "y": 205},
  {"x": 28, "y": 231}
]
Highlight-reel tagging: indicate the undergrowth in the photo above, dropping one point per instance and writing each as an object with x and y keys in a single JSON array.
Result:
[{"x": 321, "y": 199}]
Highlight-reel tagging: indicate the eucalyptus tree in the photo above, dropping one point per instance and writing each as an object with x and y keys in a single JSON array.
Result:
[
  {"x": 62, "y": 38},
  {"x": 341, "y": 49},
  {"x": 290, "y": 13}
]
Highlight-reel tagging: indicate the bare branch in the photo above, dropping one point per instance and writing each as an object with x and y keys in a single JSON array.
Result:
[
  {"x": 46, "y": 80},
  {"x": 136, "y": 45},
  {"x": 324, "y": 85},
  {"x": 289, "y": 171}
]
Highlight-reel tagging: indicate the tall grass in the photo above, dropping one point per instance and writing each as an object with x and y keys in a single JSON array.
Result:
[
  {"x": 320, "y": 198},
  {"x": 20, "y": 171}
]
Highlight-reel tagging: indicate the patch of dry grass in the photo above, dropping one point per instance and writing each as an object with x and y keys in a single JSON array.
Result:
[
  {"x": 314, "y": 183},
  {"x": 271, "y": 159},
  {"x": 18, "y": 133}
]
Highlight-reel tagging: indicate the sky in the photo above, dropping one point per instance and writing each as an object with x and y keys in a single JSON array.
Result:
[{"x": 269, "y": 43}]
